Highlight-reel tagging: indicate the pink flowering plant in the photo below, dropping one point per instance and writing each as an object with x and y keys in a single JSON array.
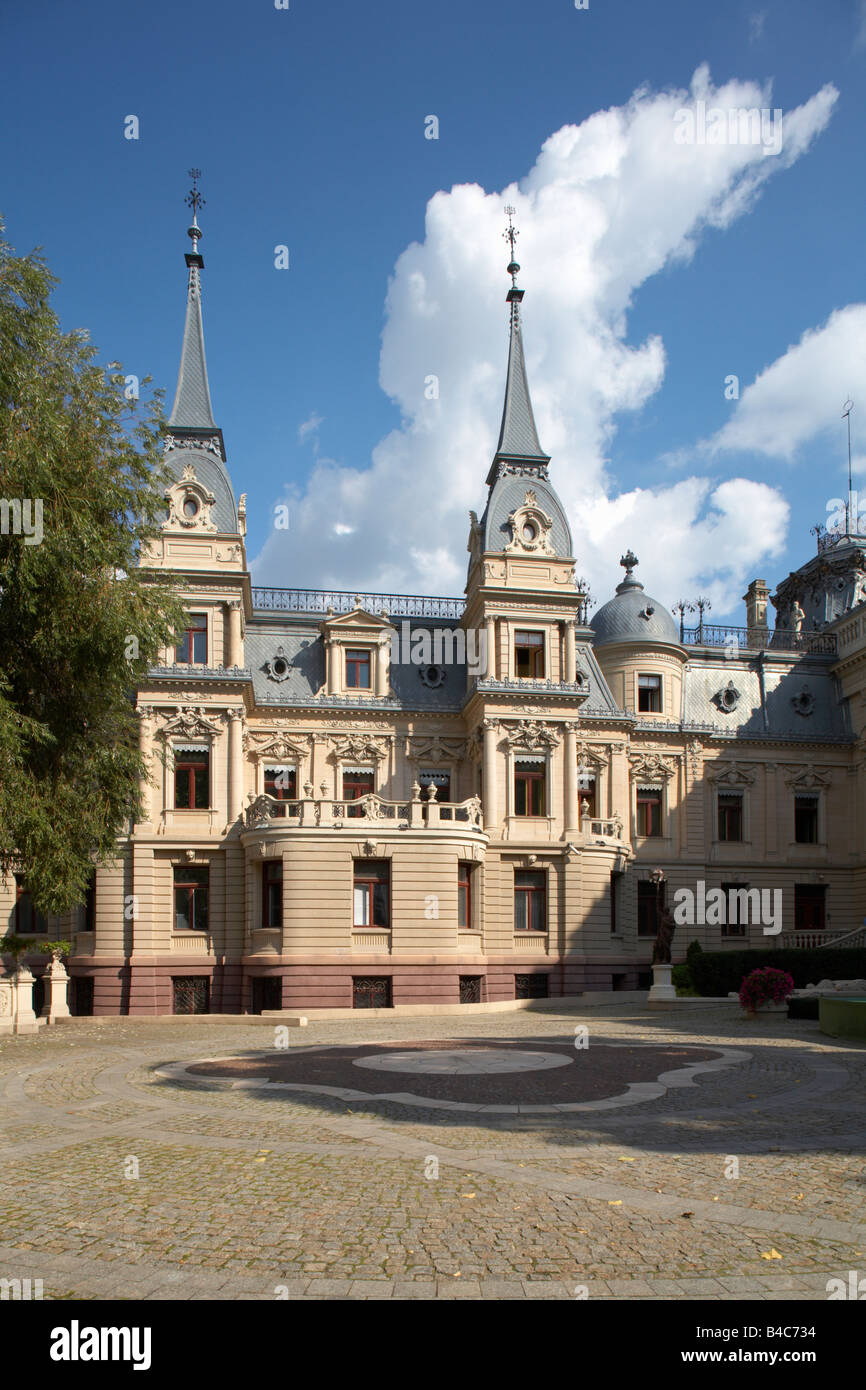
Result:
[{"x": 765, "y": 986}]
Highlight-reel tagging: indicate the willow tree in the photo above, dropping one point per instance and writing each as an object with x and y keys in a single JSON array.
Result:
[{"x": 81, "y": 494}]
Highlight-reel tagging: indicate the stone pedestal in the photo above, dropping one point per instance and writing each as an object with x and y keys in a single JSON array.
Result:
[
  {"x": 662, "y": 992},
  {"x": 7, "y": 1005},
  {"x": 56, "y": 992},
  {"x": 22, "y": 985}
]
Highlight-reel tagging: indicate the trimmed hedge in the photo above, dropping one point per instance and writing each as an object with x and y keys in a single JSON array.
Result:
[{"x": 717, "y": 973}]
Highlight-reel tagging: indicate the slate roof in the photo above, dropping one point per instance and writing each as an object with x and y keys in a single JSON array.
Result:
[
  {"x": 192, "y": 404},
  {"x": 212, "y": 474},
  {"x": 518, "y": 436},
  {"x": 775, "y": 715},
  {"x": 627, "y": 618}
]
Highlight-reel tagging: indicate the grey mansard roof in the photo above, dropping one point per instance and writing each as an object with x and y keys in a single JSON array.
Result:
[
  {"x": 508, "y": 493},
  {"x": 633, "y": 616}
]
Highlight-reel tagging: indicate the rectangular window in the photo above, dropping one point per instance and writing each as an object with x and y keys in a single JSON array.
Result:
[
  {"x": 272, "y": 893},
  {"x": 531, "y": 987},
  {"x": 530, "y": 900},
  {"x": 470, "y": 989},
  {"x": 191, "y": 650},
  {"x": 371, "y": 992},
  {"x": 191, "y": 887},
  {"x": 358, "y": 670},
  {"x": 730, "y": 815},
  {"x": 736, "y": 909},
  {"x": 586, "y": 796},
  {"x": 192, "y": 779},
  {"x": 529, "y": 654},
  {"x": 616, "y": 878},
  {"x": 529, "y": 780},
  {"x": 190, "y": 994},
  {"x": 282, "y": 784},
  {"x": 440, "y": 780},
  {"x": 650, "y": 901},
  {"x": 810, "y": 904},
  {"x": 464, "y": 895},
  {"x": 372, "y": 893},
  {"x": 806, "y": 820},
  {"x": 87, "y": 910},
  {"x": 356, "y": 783},
  {"x": 649, "y": 694},
  {"x": 649, "y": 811},
  {"x": 28, "y": 922}
]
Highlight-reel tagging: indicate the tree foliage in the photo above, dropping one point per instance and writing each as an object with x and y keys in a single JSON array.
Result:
[{"x": 80, "y": 621}]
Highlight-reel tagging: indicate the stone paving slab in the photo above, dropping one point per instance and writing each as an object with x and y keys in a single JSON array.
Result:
[{"x": 242, "y": 1194}]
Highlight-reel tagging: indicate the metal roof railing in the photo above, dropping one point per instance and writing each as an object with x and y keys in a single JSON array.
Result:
[{"x": 339, "y": 601}]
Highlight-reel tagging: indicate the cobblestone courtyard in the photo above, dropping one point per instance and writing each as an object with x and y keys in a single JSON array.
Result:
[{"x": 438, "y": 1179}]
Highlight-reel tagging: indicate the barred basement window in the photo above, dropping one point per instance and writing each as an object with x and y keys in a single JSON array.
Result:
[
  {"x": 371, "y": 992},
  {"x": 531, "y": 987},
  {"x": 190, "y": 994},
  {"x": 470, "y": 989}
]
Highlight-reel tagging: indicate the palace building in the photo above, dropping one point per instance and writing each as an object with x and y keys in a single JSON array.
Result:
[{"x": 377, "y": 799}]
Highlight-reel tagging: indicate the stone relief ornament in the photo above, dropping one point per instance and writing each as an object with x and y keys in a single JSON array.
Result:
[
  {"x": 530, "y": 528},
  {"x": 727, "y": 698},
  {"x": 359, "y": 748},
  {"x": 652, "y": 765},
  {"x": 190, "y": 721},
  {"x": 731, "y": 774},
  {"x": 804, "y": 701},
  {"x": 189, "y": 504},
  {"x": 806, "y": 779},
  {"x": 210, "y": 444},
  {"x": 279, "y": 667},
  {"x": 532, "y": 735}
]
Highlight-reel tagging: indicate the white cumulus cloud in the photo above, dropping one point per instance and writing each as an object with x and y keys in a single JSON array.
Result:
[{"x": 608, "y": 204}]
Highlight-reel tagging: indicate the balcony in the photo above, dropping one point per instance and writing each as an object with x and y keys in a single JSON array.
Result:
[{"x": 365, "y": 813}]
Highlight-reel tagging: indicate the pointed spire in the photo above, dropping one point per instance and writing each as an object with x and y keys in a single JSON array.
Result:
[
  {"x": 192, "y": 407},
  {"x": 518, "y": 436}
]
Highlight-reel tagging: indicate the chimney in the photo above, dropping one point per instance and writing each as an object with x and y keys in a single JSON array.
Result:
[{"x": 756, "y": 598}]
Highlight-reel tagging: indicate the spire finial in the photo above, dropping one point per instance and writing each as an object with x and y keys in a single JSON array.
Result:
[
  {"x": 511, "y": 234},
  {"x": 195, "y": 201},
  {"x": 628, "y": 562}
]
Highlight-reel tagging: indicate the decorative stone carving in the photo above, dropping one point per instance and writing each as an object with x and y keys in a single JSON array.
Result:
[
  {"x": 210, "y": 444},
  {"x": 259, "y": 813},
  {"x": 530, "y": 528},
  {"x": 806, "y": 779},
  {"x": 731, "y": 774},
  {"x": 189, "y": 504},
  {"x": 279, "y": 667},
  {"x": 532, "y": 735},
  {"x": 434, "y": 750},
  {"x": 727, "y": 698},
  {"x": 190, "y": 721},
  {"x": 358, "y": 748},
  {"x": 804, "y": 701},
  {"x": 653, "y": 766}
]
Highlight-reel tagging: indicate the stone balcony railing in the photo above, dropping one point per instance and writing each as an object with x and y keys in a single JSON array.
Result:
[{"x": 364, "y": 812}]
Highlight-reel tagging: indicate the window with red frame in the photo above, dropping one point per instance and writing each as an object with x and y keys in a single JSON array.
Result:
[
  {"x": 27, "y": 920},
  {"x": 282, "y": 784},
  {"x": 372, "y": 893},
  {"x": 191, "y": 650},
  {"x": 649, "y": 812},
  {"x": 586, "y": 793},
  {"x": 358, "y": 670},
  {"x": 355, "y": 785},
  {"x": 192, "y": 780},
  {"x": 530, "y": 900},
  {"x": 730, "y": 815},
  {"x": 191, "y": 889},
  {"x": 272, "y": 893},
  {"x": 529, "y": 781},
  {"x": 529, "y": 654},
  {"x": 440, "y": 780},
  {"x": 464, "y": 895}
]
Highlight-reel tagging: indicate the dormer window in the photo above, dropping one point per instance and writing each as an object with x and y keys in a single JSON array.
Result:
[
  {"x": 649, "y": 694},
  {"x": 191, "y": 650},
  {"x": 358, "y": 669},
  {"x": 529, "y": 655}
]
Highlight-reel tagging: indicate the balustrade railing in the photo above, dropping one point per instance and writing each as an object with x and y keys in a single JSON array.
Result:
[
  {"x": 759, "y": 639},
  {"x": 367, "y": 810},
  {"x": 321, "y": 600}
]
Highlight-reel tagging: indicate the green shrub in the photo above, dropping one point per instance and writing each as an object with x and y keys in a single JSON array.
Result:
[{"x": 717, "y": 973}]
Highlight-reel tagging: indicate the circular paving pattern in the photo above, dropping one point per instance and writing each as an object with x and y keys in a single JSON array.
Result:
[
  {"x": 504, "y": 1077},
  {"x": 463, "y": 1062}
]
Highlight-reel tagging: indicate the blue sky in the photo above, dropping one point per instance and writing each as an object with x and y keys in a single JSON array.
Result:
[{"x": 641, "y": 296}]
